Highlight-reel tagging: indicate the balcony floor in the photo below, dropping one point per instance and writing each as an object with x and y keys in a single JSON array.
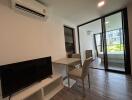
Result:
[{"x": 114, "y": 66}]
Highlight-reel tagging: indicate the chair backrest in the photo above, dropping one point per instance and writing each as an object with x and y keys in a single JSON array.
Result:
[
  {"x": 76, "y": 56},
  {"x": 85, "y": 67}
]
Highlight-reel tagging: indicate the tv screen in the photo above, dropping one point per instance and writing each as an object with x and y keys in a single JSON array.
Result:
[{"x": 17, "y": 76}]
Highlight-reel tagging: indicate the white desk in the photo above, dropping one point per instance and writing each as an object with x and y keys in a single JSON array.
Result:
[{"x": 66, "y": 62}]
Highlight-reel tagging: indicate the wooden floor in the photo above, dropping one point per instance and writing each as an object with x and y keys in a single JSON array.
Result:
[{"x": 104, "y": 86}]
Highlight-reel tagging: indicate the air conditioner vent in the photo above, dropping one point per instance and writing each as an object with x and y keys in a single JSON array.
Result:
[{"x": 29, "y": 10}]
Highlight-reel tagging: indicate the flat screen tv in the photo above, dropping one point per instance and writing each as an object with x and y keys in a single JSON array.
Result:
[{"x": 17, "y": 76}]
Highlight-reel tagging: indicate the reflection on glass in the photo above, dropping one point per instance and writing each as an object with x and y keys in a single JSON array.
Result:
[
  {"x": 114, "y": 40},
  {"x": 90, "y": 41}
]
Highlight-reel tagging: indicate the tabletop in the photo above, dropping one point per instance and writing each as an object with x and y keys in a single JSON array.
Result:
[{"x": 67, "y": 61}]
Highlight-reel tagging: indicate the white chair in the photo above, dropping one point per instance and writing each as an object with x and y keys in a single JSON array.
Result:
[
  {"x": 76, "y": 56},
  {"x": 81, "y": 73},
  {"x": 77, "y": 64}
]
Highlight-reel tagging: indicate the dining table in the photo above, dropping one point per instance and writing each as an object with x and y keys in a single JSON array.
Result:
[{"x": 67, "y": 62}]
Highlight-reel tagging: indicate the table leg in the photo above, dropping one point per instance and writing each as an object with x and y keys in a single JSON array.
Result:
[{"x": 67, "y": 71}]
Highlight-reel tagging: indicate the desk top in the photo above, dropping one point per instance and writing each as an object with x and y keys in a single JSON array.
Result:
[{"x": 67, "y": 61}]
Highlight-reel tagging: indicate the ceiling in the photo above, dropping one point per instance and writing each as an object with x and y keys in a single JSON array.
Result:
[{"x": 81, "y": 11}]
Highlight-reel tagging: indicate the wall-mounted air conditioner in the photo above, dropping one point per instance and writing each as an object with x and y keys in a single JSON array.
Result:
[{"x": 30, "y": 6}]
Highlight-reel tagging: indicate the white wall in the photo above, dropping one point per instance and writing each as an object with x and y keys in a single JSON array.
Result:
[
  {"x": 76, "y": 41},
  {"x": 86, "y": 43},
  {"x": 24, "y": 37},
  {"x": 130, "y": 30}
]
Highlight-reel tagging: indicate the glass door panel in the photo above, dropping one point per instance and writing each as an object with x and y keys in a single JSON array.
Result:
[
  {"x": 90, "y": 36},
  {"x": 114, "y": 42}
]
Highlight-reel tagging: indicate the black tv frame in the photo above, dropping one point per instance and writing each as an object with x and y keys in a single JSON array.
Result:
[{"x": 38, "y": 74}]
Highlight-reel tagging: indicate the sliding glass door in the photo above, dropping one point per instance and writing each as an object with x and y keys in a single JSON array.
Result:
[
  {"x": 115, "y": 42},
  {"x": 107, "y": 37}
]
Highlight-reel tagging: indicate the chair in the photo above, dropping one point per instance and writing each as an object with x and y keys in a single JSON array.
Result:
[
  {"x": 81, "y": 73},
  {"x": 77, "y": 64},
  {"x": 89, "y": 53},
  {"x": 76, "y": 56}
]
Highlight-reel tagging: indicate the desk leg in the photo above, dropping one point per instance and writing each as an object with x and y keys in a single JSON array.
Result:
[{"x": 67, "y": 71}]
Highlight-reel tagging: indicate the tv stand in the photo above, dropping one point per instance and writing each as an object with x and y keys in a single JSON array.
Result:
[
  {"x": 43, "y": 90},
  {"x": 51, "y": 76}
]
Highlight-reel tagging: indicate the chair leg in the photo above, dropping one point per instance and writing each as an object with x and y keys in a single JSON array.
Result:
[
  {"x": 83, "y": 86},
  {"x": 88, "y": 81}
]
